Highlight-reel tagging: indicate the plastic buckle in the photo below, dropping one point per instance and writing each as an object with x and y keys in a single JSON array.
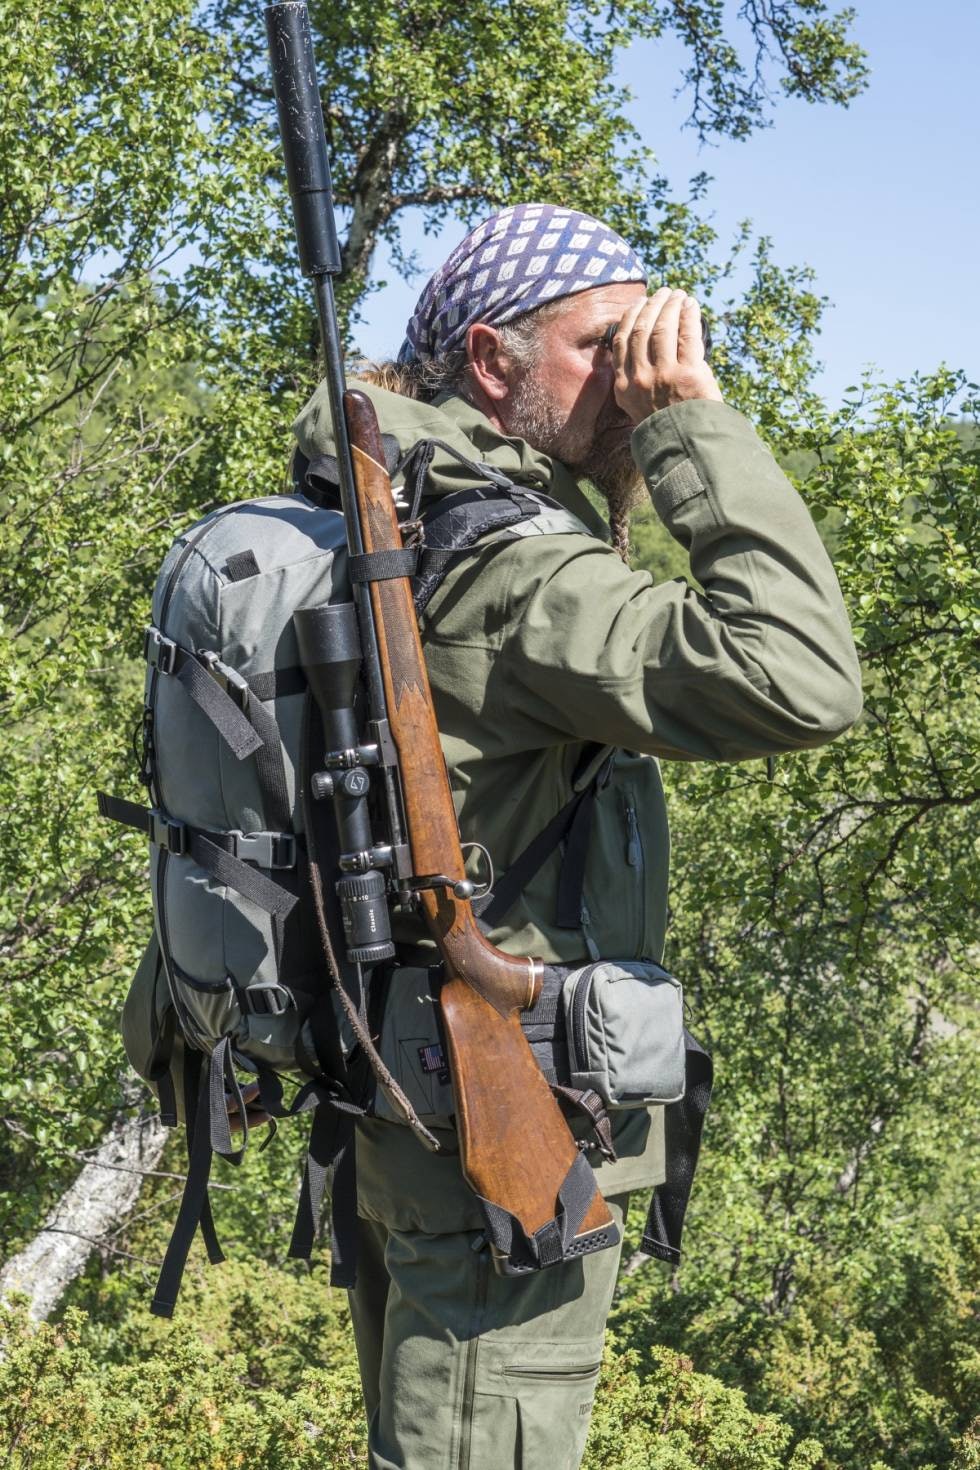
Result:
[
  {"x": 275, "y": 999},
  {"x": 168, "y": 833},
  {"x": 228, "y": 679},
  {"x": 267, "y": 849},
  {"x": 159, "y": 652}
]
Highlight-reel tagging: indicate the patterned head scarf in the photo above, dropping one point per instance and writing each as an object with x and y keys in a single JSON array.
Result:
[{"x": 519, "y": 258}]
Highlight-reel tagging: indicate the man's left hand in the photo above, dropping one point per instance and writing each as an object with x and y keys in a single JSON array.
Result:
[{"x": 659, "y": 357}]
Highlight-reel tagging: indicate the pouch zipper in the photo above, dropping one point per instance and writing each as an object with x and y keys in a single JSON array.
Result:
[{"x": 580, "y": 1001}]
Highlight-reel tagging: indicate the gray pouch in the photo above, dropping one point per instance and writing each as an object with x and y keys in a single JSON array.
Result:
[{"x": 625, "y": 1032}]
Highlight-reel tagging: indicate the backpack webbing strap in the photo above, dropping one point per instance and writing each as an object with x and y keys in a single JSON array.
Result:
[
  {"x": 683, "y": 1123},
  {"x": 195, "y": 1206},
  {"x": 206, "y": 849},
  {"x": 572, "y": 825},
  {"x": 270, "y": 768},
  {"x": 235, "y": 728},
  {"x": 217, "y": 690},
  {"x": 277, "y": 683},
  {"x": 234, "y": 706},
  {"x": 330, "y": 1156}
]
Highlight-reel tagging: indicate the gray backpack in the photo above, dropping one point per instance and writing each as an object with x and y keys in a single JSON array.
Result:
[{"x": 242, "y": 974}]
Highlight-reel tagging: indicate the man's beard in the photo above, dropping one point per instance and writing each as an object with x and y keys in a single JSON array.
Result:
[{"x": 601, "y": 456}]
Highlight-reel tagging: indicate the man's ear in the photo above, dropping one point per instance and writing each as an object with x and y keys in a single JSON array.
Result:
[{"x": 490, "y": 367}]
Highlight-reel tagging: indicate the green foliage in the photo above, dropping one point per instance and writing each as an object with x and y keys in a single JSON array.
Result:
[
  {"x": 181, "y": 1406},
  {"x": 826, "y": 926},
  {"x": 654, "y": 1412}
]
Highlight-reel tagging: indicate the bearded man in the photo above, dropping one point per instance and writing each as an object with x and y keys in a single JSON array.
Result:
[{"x": 536, "y": 351}]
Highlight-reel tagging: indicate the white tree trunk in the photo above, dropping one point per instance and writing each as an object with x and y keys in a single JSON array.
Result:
[{"x": 100, "y": 1199}]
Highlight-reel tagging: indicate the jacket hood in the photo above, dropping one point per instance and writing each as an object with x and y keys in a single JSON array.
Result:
[{"x": 458, "y": 424}]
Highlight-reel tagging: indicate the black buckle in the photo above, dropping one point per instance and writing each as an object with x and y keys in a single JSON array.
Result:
[
  {"x": 168, "y": 833},
  {"x": 159, "y": 652},
  {"x": 228, "y": 679},
  {"x": 275, "y": 999}
]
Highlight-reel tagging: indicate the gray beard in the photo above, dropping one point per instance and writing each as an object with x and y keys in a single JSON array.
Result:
[{"x": 604, "y": 458}]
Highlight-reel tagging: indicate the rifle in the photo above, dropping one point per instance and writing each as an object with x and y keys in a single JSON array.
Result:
[{"x": 537, "y": 1190}]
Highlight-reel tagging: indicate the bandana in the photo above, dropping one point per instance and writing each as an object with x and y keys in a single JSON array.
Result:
[{"x": 516, "y": 260}]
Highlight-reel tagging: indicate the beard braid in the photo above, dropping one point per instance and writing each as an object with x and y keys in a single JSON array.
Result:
[{"x": 610, "y": 467}]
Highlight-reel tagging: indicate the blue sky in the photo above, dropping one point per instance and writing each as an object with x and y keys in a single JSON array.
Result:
[{"x": 881, "y": 198}]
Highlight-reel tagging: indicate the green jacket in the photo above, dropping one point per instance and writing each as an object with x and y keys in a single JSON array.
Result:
[{"x": 538, "y": 644}]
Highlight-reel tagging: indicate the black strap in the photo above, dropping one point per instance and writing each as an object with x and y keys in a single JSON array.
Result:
[
  {"x": 270, "y": 767},
  {"x": 277, "y": 683},
  {"x": 235, "y": 729},
  {"x": 206, "y": 849},
  {"x": 683, "y": 1123},
  {"x": 241, "y": 565},
  {"x": 195, "y": 1207},
  {"x": 383, "y": 566}
]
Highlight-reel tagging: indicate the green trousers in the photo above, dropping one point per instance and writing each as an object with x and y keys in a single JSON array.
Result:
[{"x": 463, "y": 1369}]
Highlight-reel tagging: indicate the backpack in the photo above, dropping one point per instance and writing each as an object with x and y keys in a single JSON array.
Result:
[{"x": 244, "y": 973}]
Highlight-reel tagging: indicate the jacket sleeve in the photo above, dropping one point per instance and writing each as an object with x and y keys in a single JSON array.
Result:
[{"x": 761, "y": 661}]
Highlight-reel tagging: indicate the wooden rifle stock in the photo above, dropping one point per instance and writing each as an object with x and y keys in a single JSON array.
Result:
[{"x": 515, "y": 1145}]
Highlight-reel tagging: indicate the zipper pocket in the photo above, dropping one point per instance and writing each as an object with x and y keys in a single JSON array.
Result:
[
  {"x": 636, "y": 859},
  {"x": 575, "y": 1374},
  {"x": 580, "y": 1001}
]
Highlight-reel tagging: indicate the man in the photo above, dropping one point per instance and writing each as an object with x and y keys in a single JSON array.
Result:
[{"x": 536, "y": 350}]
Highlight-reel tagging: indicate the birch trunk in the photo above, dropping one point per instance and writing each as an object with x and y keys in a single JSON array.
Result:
[{"x": 100, "y": 1199}]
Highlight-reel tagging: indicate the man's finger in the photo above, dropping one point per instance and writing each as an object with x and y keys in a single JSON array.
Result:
[
  {"x": 663, "y": 336},
  {"x": 631, "y": 355},
  {"x": 690, "y": 344}
]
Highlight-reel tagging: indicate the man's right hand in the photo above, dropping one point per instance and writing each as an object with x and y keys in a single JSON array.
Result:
[{"x": 659, "y": 357}]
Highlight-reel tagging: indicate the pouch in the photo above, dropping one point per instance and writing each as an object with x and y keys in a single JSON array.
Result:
[{"x": 624, "y": 1030}]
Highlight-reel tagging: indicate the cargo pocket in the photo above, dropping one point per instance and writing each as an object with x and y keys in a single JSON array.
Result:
[{"x": 554, "y": 1407}]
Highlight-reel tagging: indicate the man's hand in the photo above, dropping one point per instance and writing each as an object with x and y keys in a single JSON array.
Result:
[
  {"x": 255, "y": 1115},
  {"x": 659, "y": 356}
]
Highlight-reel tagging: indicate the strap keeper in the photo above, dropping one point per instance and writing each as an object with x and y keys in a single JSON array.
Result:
[
  {"x": 266, "y": 849},
  {"x": 167, "y": 832},
  {"x": 383, "y": 566},
  {"x": 159, "y": 652}
]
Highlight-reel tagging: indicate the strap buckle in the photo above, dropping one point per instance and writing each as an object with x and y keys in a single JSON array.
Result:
[
  {"x": 159, "y": 652},
  {"x": 226, "y": 678},
  {"x": 168, "y": 833},
  {"x": 266, "y": 849},
  {"x": 267, "y": 999}
]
